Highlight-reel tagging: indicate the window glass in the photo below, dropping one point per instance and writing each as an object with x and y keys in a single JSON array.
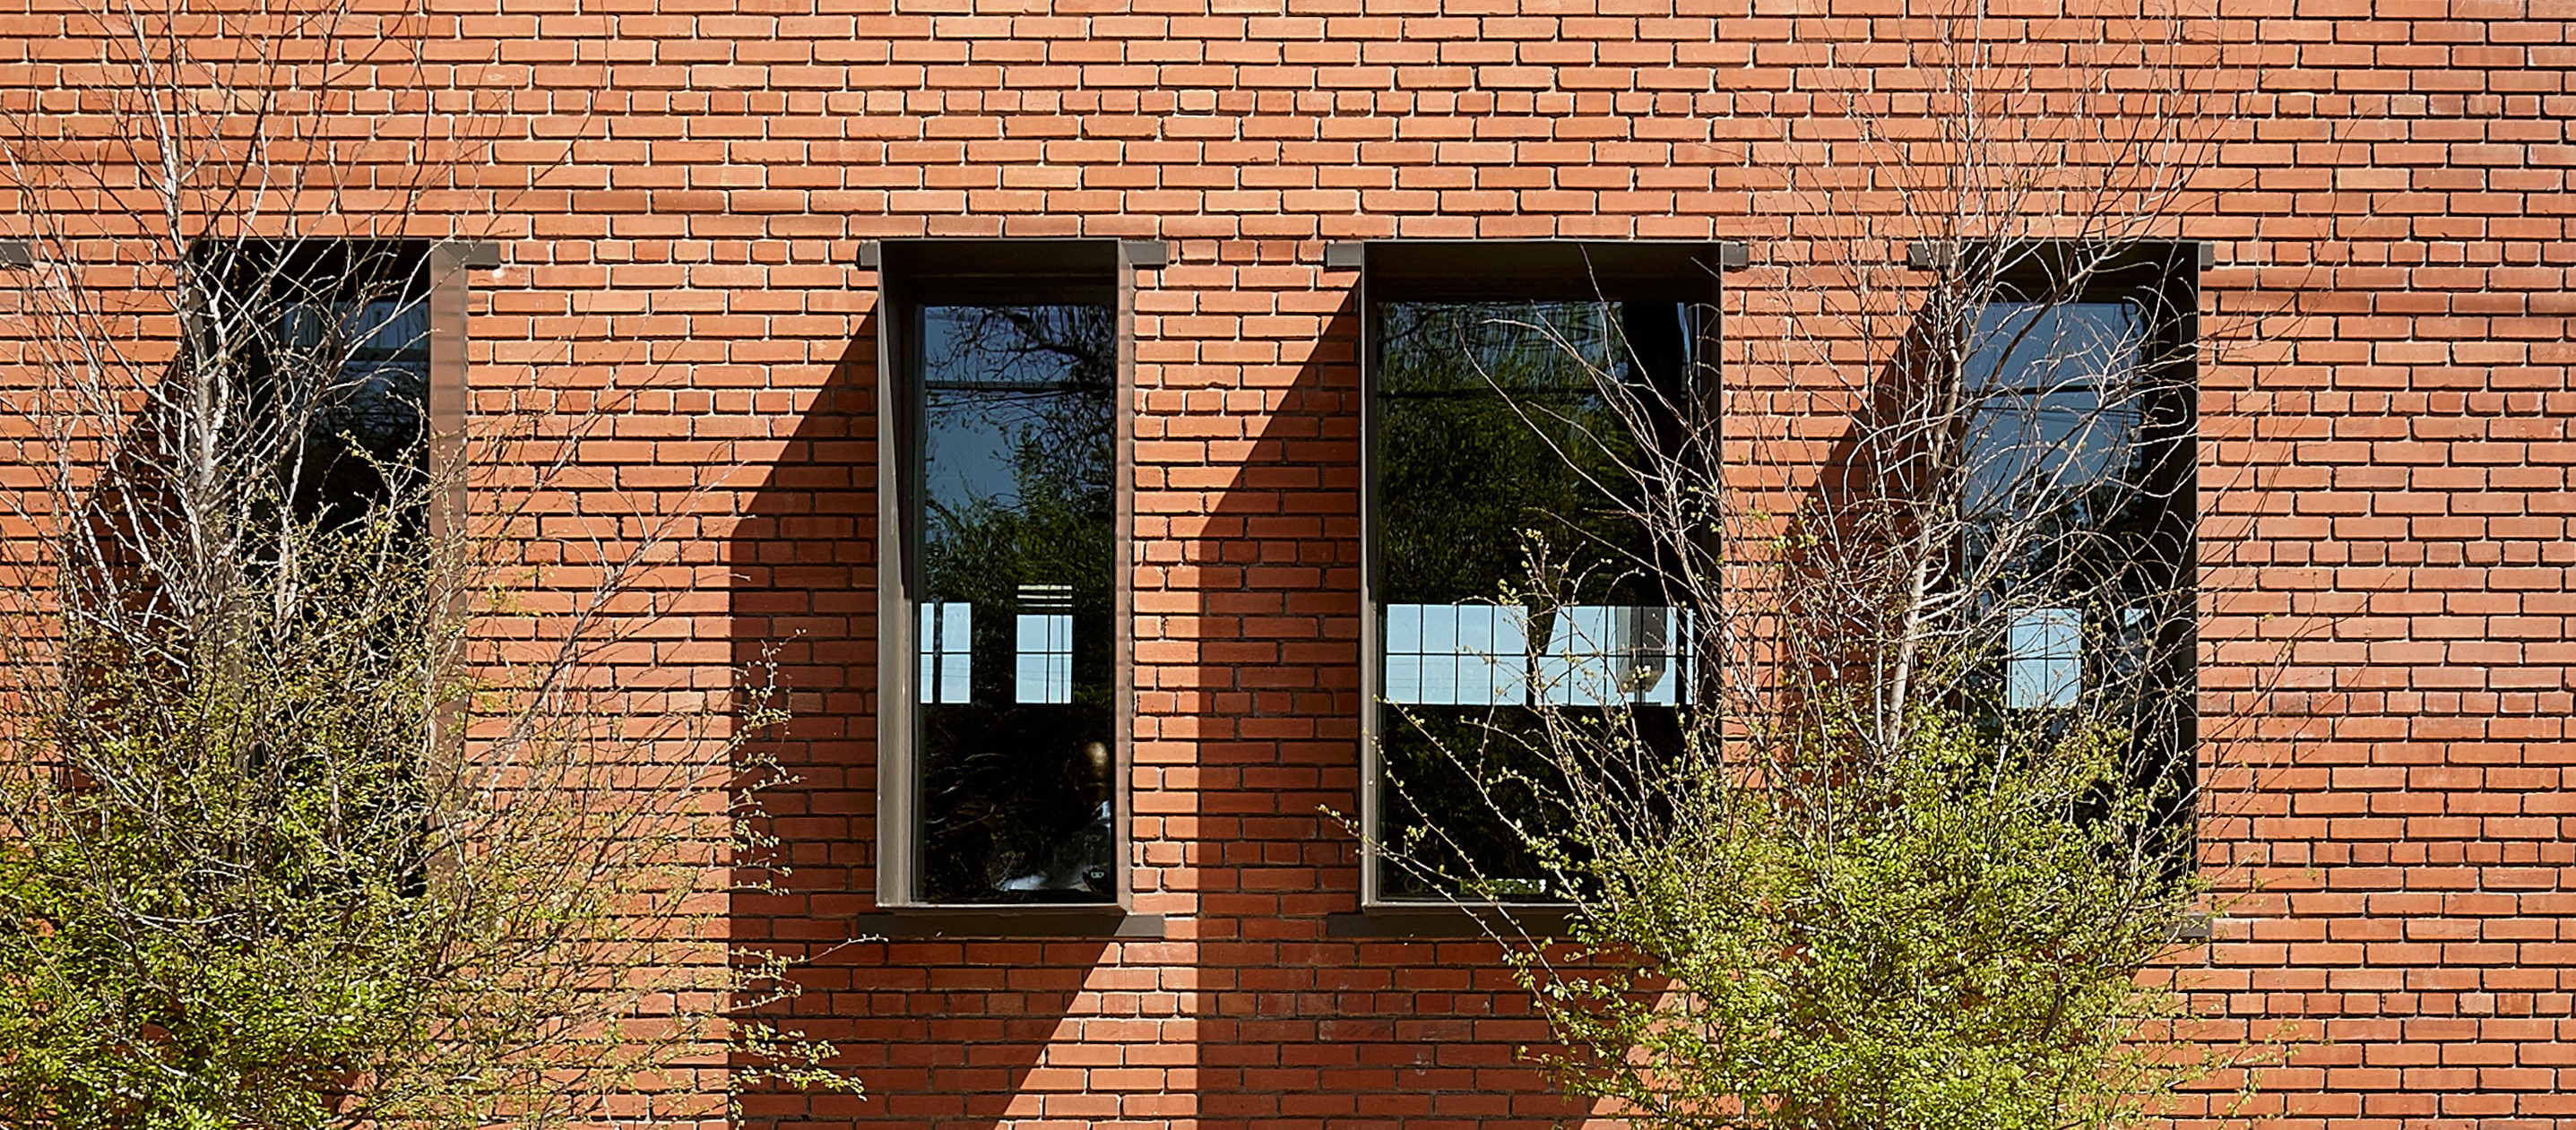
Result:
[
  {"x": 330, "y": 342},
  {"x": 2044, "y": 659},
  {"x": 1498, "y": 453},
  {"x": 2057, "y": 392},
  {"x": 2079, "y": 545},
  {"x": 367, "y": 351},
  {"x": 2061, "y": 492},
  {"x": 1014, "y": 629}
]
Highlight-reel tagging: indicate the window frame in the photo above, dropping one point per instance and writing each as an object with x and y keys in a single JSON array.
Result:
[
  {"x": 1681, "y": 271},
  {"x": 445, "y": 415},
  {"x": 445, "y": 418},
  {"x": 2164, "y": 277},
  {"x": 911, "y": 272}
]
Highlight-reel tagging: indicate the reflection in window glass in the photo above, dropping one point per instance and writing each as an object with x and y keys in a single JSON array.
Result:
[
  {"x": 2058, "y": 400},
  {"x": 1046, "y": 644},
  {"x": 2059, "y": 489},
  {"x": 2079, "y": 505},
  {"x": 1493, "y": 444},
  {"x": 2044, "y": 659},
  {"x": 1603, "y": 655},
  {"x": 1457, "y": 654},
  {"x": 947, "y": 650},
  {"x": 1018, "y": 407},
  {"x": 361, "y": 356}
]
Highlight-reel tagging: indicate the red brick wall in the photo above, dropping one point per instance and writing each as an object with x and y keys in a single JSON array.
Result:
[{"x": 682, "y": 188}]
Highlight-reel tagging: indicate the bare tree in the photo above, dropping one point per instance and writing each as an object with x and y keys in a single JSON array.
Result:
[
  {"x": 327, "y": 799},
  {"x": 1875, "y": 802}
]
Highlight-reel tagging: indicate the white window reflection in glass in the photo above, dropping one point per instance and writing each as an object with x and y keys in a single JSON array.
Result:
[
  {"x": 947, "y": 650},
  {"x": 1612, "y": 655},
  {"x": 1045, "y": 642},
  {"x": 1481, "y": 655},
  {"x": 379, "y": 341},
  {"x": 1457, "y": 654},
  {"x": 2044, "y": 659}
]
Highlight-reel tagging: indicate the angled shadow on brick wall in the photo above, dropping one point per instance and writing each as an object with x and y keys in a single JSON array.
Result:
[
  {"x": 1861, "y": 513},
  {"x": 1300, "y": 1020},
  {"x": 941, "y": 1033}
]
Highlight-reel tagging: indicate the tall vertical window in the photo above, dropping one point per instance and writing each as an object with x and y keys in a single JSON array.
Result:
[
  {"x": 2078, "y": 491},
  {"x": 1508, "y": 568},
  {"x": 1003, "y": 395}
]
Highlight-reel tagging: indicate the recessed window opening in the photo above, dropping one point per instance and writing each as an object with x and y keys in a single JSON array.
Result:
[
  {"x": 2077, "y": 495},
  {"x": 332, "y": 338},
  {"x": 1509, "y": 570},
  {"x": 1007, "y": 389}
]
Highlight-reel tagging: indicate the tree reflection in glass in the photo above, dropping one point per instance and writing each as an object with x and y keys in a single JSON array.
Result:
[
  {"x": 2063, "y": 496},
  {"x": 367, "y": 360},
  {"x": 1495, "y": 444},
  {"x": 1018, "y": 524}
]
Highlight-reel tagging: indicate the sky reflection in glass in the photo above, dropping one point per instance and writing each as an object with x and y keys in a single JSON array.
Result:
[{"x": 2055, "y": 400}]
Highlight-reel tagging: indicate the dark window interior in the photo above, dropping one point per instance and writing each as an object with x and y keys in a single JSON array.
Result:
[
  {"x": 333, "y": 337},
  {"x": 1012, "y": 507}
]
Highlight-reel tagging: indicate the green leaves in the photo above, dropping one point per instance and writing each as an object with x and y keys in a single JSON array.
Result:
[
  {"x": 1944, "y": 936},
  {"x": 316, "y": 812},
  {"x": 212, "y": 911}
]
